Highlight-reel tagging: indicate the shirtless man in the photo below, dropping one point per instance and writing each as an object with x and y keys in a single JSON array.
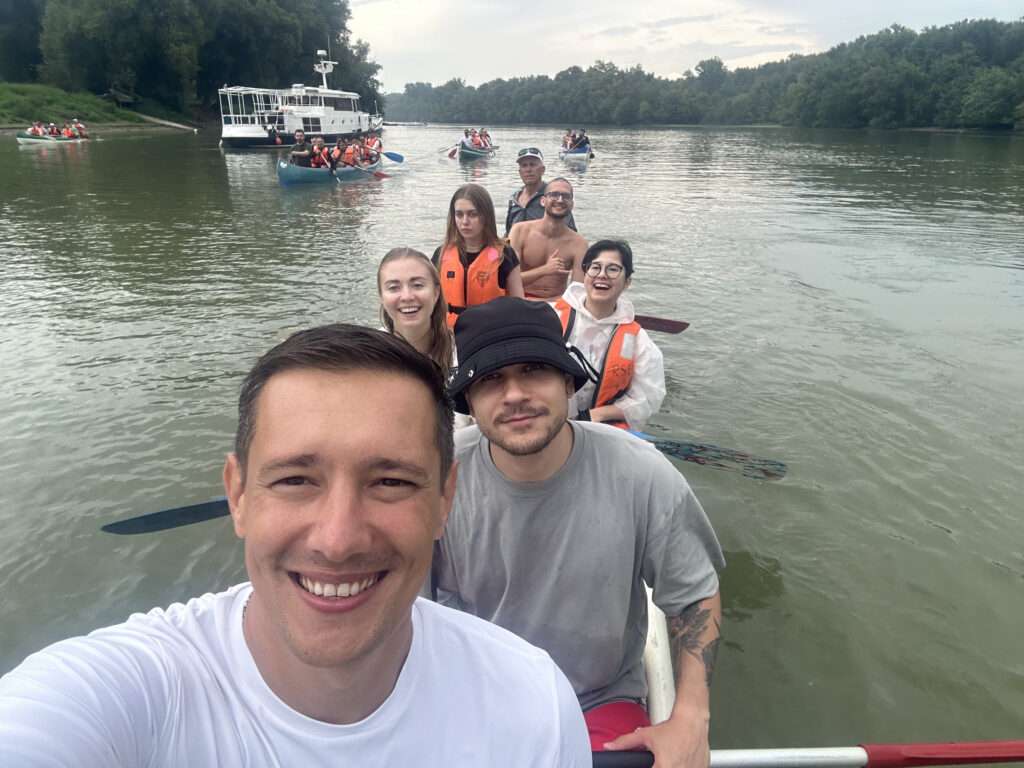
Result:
[{"x": 548, "y": 250}]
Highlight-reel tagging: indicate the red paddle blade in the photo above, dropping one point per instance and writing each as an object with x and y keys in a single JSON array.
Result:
[
  {"x": 661, "y": 324},
  {"x": 953, "y": 753}
]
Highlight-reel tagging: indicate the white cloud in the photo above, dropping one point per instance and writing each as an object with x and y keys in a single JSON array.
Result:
[{"x": 483, "y": 40}]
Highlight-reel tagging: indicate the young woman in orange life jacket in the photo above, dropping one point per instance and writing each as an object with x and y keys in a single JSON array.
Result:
[
  {"x": 372, "y": 148},
  {"x": 474, "y": 263},
  {"x": 319, "y": 156},
  {"x": 352, "y": 154},
  {"x": 599, "y": 321}
]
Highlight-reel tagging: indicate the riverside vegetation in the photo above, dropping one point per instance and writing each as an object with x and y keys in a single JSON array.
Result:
[
  {"x": 177, "y": 53},
  {"x": 964, "y": 75}
]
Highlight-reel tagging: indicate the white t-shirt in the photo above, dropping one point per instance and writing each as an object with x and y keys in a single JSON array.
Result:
[{"x": 179, "y": 687}]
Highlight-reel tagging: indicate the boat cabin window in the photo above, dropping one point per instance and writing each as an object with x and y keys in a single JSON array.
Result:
[{"x": 311, "y": 124}]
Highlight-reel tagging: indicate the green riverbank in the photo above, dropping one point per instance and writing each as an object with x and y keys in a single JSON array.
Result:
[{"x": 23, "y": 103}]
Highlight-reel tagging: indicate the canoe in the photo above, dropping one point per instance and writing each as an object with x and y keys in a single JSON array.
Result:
[
  {"x": 472, "y": 153},
  {"x": 661, "y": 680},
  {"x": 297, "y": 174},
  {"x": 28, "y": 138},
  {"x": 579, "y": 155}
]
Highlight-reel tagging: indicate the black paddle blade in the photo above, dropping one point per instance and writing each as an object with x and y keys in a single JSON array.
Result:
[
  {"x": 718, "y": 458},
  {"x": 640, "y": 759},
  {"x": 169, "y": 518},
  {"x": 661, "y": 324}
]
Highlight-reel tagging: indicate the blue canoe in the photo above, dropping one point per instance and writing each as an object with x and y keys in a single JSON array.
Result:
[{"x": 297, "y": 174}]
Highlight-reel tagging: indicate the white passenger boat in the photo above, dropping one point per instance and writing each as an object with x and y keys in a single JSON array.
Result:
[{"x": 267, "y": 117}]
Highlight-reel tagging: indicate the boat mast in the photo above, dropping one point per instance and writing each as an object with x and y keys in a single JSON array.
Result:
[{"x": 324, "y": 66}]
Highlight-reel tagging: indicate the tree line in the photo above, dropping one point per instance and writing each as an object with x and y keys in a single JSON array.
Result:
[
  {"x": 967, "y": 74},
  {"x": 179, "y": 52}
]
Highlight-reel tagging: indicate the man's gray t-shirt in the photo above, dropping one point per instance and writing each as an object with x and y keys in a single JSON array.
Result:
[{"x": 562, "y": 562}]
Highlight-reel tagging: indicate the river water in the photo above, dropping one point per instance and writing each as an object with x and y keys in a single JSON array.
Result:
[{"x": 857, "y": 310}]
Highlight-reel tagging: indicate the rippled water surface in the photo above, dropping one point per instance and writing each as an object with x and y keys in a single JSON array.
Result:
[{"x": 857, "y": 310}]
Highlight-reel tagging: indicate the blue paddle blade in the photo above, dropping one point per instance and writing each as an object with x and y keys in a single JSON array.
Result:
[
  {"x": 394, "y": 156},
  {"x": 718, "y": 458},
  {"x": 170, "y": 518}
]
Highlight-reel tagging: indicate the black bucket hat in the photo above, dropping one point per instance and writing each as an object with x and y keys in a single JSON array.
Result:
[{"x": 506, "y": 331}]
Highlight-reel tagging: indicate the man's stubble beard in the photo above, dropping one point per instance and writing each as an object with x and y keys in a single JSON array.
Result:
[{"x": 519, "y": 449}]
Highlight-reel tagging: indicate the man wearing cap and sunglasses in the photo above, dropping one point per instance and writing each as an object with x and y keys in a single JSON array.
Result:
[
  {"x": 557, "y": 525},
  {"x": 525, "y": 204}
]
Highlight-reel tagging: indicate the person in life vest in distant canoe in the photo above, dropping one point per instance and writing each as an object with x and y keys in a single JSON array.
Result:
[
  {"x": 598, "y": 320},
  {"x": 36, "y": 129},
  {"x": 79, "y": 128},
  {"x": 372, "y": 147},
  {"x": 475, "y": 138},
  {"x": 66, "y": 131},
  {"x": 352, "y": 154},
  {"x": 474, "y": 263},
  {"x": 320, "y": 155},
  {"x": 485, "y": 139}
]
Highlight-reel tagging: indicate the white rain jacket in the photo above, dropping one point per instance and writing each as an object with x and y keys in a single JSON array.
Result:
[{"x": 647, "y": 390}]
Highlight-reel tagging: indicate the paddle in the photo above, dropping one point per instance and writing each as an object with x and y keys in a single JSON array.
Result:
[
  {"x": 717, "y": 458},
  {"x": 699, "y": 453},
  {"x": 863, "y": 756},
  {"x": 449, "y": 148},
  {"x": 661, "y": 324},
  {"x": 169, "y": 518},
  {"x": 375, "y": 174},
  {"x": 394, "y": 157}
]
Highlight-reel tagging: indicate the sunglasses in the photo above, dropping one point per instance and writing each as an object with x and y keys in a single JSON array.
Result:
[{"x": 528, "y": 151}]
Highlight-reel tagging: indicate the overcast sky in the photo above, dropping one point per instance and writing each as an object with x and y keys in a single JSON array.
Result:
[{"x": 479, "y": 40}]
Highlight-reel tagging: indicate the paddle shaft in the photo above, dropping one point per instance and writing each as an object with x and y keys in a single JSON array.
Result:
[
  {"x": 375, "y": 174},
  {"x": 864, "y": 756}
]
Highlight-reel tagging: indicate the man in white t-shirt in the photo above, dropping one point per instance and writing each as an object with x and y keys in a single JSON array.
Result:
[{"x": 341, "y": 480}]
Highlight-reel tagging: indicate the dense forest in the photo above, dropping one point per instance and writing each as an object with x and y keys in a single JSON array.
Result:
[
  {"x": 179, "y": 52},
  {"x": 968, "y": 74}
]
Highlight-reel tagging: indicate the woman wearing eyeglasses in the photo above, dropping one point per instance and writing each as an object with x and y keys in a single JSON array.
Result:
[
  {"x": 598, "y": 320},
  {"x": 474, "y": 263}
]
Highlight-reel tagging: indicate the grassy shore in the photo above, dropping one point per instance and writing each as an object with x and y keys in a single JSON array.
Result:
[{"x": 22, "y": 103}]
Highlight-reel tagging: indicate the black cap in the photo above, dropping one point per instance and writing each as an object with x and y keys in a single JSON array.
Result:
[{"x": 506, "y": 331}]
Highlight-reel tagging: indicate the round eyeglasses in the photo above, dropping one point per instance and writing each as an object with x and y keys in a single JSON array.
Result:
[{"x": 595, "y": 268}]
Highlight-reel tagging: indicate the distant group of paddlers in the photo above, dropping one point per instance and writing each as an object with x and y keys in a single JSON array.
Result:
[
  {"x": 361, "y": 151},
  {"x": 575, "y": 140},
  {"x": 475, "y": 139},
  {"x": 73, "y": 129}
]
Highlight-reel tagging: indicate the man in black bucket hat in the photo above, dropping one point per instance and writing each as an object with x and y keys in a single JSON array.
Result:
[{"x": 557, "y": 525}]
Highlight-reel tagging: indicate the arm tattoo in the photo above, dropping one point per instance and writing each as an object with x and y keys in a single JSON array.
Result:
[{"x": 685, "y": 632}]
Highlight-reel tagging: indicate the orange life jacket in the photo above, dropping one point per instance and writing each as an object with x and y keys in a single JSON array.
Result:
[
  {"x": 67, "y": 133},
  {"x": 373, "y": 144},
  {"x": 616, "y": 369},
  {"x": 479, "y": 286},
  {"x": 350, "y": 156},
  {"x": 476, "y": 141},
  {"x": 318, "y": 158}
]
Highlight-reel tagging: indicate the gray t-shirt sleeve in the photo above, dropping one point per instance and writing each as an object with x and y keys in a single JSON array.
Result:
[{"x": 681, "y": 553}]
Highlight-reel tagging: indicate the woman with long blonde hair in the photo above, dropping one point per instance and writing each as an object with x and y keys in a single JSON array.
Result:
[
  {"x": 474, "y": 264},
  {"x": 412, "y": 304}
]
